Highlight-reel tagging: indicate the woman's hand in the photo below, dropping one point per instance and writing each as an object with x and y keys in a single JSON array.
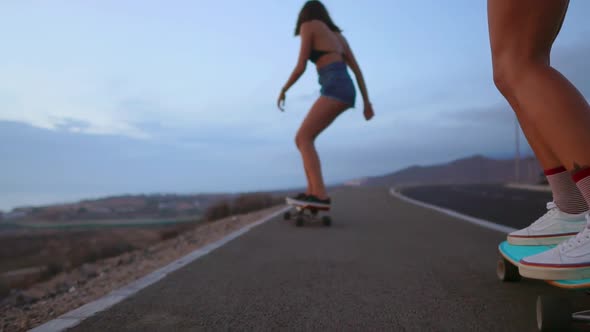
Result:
[
  {"x": 368, "y": 112},
  {"x": 281, "y": 100}
]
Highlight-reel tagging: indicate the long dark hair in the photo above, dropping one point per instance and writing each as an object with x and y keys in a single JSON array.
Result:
[{"x": 315, "y": 10}]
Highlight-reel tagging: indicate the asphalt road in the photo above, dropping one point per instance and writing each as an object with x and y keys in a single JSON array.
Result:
[
  {"x": 516, "y": 208},
  {"x": 383, "y": 265}
]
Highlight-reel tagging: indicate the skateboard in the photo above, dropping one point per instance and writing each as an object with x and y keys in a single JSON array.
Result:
[
  {"x": 305, "y": 213},
  {"x": 552, "y": 312}
]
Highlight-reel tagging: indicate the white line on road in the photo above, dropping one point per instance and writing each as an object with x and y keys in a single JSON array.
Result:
[
  {"x": 480, "y": 222},
  {"x": 74, "y": 317}
]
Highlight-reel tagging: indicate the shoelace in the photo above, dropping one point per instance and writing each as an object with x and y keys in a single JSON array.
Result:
[
  {"x": 580, "y": 238},
  {"x": 552, "y": 209}
]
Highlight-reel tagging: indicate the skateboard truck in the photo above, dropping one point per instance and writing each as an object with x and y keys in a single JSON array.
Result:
[
  {"x": 301, "y": 216},
  {"x": 553, "y": 313}
]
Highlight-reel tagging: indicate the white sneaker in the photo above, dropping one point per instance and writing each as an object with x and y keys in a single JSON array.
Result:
[
  {"x": 553, "y": 227},
  {"x": 570, "y": 260}
]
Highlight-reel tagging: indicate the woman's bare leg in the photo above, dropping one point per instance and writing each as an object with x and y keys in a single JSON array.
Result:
[
  {"x": 310, "y": 188},
  {"x": 554, "y": 116},
  {"x": 552, "y": 112},
  {"x": 543, "y": 152},
  {"x": 320, "y": 116}
]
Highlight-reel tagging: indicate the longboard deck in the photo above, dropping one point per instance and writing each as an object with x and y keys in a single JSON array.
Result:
[
  {"x": 515, "y": 253},
  {"x": 304, "y": 206},
  {"x": 307, "y": 212}
]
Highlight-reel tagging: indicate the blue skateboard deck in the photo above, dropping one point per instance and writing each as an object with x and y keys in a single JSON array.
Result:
[{"x": 515, "y": 253}]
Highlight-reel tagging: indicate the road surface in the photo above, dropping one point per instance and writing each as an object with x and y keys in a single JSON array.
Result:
[{"x": 384, "y": 265}]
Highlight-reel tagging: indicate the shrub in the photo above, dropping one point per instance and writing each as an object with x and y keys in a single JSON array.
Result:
[
  {"x": 243, "y": 204},
  {"x": 96, "y": 254},
  {"x": 253, "y": 202},
  {"x": 115, "y": 250},
  {"x": 4, "y": 289},
  {"x": 218, "y": 210},
  {"x": 169, "y": 234},
  {"x": 52, "y": 269}
]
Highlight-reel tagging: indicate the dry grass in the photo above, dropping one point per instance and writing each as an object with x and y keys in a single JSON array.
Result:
[{"x": 59, "y": 250}]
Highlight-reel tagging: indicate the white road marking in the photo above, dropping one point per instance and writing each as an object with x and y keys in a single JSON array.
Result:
[{"x": 476, "y": 221}]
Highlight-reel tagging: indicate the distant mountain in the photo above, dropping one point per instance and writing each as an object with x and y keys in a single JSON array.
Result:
[{"x": 475, "y": 169}]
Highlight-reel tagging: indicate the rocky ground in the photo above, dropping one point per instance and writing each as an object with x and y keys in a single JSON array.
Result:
[{"x": 25, "y": 309}]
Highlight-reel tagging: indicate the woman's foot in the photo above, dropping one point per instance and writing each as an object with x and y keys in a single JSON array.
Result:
[
  {"x": 569, "y": 260},
  {"x": 322, "y": 204},
  {"x": 310, "y": 200},
  {"x": 298, "y": 199},
  {"x": 553, "y": 227}
]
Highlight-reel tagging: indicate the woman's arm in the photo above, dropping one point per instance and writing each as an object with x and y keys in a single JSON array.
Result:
[
  {"x": 360, "y": 80},
  {"x": 351, "y": 62},
  {"x": 304, "y": 51}
]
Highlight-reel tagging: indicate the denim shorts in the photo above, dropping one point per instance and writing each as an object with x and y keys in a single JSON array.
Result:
[{"x": 336, "y": 83}]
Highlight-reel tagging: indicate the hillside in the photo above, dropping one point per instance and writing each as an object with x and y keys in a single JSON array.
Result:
[{"x": 475, "y": 169}]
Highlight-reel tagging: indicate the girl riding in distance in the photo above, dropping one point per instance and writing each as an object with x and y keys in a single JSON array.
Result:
[{"x": 323, "y": 44}]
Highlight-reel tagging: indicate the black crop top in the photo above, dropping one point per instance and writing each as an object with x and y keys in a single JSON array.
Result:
[{"x": 315, "y": 55}]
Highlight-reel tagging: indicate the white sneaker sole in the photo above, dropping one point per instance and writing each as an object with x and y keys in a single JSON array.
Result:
[
  {"x": 539, "y": 240},
  {"x": 320, "y": 206},
  {"x": 554, "y": 273}
]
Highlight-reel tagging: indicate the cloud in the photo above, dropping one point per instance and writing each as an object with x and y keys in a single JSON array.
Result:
[
  {"x": 497, "y": 114},
  {"x": 62, "y": 100}
]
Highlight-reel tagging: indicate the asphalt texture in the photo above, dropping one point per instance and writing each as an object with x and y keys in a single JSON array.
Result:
[
  {"x": 516, "y": 208},
  {"x": 383, "y": 265}
]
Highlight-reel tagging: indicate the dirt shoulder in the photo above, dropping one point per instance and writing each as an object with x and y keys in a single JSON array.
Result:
[{"x": 42, "y": 302}]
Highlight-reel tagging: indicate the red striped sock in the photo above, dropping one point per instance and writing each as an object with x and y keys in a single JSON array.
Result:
[
  {"x": 582, "y": 179},
  {"x": 566, "y": 194}
]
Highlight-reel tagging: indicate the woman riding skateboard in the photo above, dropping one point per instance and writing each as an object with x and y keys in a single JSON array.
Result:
[
  {"x": 323, "y": 44},
  {"x": 555, "y": 118}
]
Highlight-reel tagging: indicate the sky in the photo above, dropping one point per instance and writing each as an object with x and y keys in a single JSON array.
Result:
[{"x": 123, "y": 97}]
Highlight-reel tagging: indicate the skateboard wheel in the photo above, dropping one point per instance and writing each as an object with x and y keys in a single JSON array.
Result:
[
  {"x": 287, "y": 215},
  {"x": 326, "y": 221},
  {"x": 506, "y": 271},
  {"x": 299, "y": 221},
  {"x": 553, "y": 314}
]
